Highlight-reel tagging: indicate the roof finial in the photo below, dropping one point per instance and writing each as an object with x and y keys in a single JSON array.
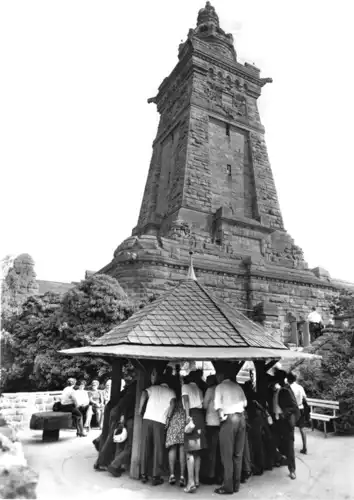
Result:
[
  {"x": 208, "y": 16},
  {"x": 191, "y": 274}
]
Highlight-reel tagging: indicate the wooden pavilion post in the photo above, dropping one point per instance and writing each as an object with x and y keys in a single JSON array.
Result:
[
  {"x": 142, "y": 381},
  {"x": 116, "y": 380}
]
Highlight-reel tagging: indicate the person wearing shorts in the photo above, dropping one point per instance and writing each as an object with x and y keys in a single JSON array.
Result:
[{"x": 300, "y": 396}]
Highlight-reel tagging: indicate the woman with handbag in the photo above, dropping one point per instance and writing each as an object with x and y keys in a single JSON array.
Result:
[
  {"x": 195, "y": 433},
  {"x": 175, "y": 432}
]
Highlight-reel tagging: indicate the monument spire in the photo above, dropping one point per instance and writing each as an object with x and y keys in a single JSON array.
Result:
[{"x": 210, "y": 186}]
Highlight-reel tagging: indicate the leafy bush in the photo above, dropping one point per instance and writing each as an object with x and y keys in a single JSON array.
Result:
[
  {"x": 51, "y": 323},
  {"x": 333, "y": 377}
]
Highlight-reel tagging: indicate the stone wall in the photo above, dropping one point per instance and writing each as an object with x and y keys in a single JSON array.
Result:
[{"x": 17, "y": 408}]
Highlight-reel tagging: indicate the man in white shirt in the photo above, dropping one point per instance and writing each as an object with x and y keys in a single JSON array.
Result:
[
  {"x": 314, "y": 316},
  {"x": 160, "y": 401},
  {"x": 67, "y": 396},
  {"x": 69, "y": 404},
  {"x": 81, "y": 396},
  {"x": 230, "y": 401},
  {"x": 315, "y": 324},
  {"x": 300, "y": 396},
  {"x": 212, "y": 421}
]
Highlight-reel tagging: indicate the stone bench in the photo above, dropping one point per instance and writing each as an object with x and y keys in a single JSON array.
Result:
[{"x": 51, "y": 422}]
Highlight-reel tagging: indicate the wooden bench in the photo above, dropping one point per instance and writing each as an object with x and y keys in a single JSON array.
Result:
[
  {"x": 316, "y": 404},
  {"x": 51, "y": 422}
]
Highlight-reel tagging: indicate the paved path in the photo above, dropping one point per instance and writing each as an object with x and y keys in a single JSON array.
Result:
[{"x": 66, "y": 472}]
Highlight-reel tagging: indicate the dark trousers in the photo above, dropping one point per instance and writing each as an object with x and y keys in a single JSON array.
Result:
[
  {"x": 264, "y": 454},
  {"x": 256, "y": 438},
  {"x": 286, "y": 428},
  {"x": 107, "y": 446},
  {"x": 315, "y": 331},
  {"x": 83, "y": 411},
  {"x": 152, "y": 447},
  {"x": 212, "y": 458},
  {"x": 232, "y": 442},
  {"x": 102, "y": 437},
  {"x": 124, "y": 450},
  {"x": 77, "y": 416},
  {"x": 246, "y": 458}
]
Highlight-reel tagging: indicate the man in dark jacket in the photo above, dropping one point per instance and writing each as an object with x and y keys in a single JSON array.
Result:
[
  {"x": 122, "y": 412},
  {"x": 124, "y": 450},
  {"x": 287, "y": 419}
]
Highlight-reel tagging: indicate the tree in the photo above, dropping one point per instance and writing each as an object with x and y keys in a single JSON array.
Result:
[
  {"x": 332, "y": 378},
  {"x": 50, "y": 323},
  {"x": 342, "y": 304}
]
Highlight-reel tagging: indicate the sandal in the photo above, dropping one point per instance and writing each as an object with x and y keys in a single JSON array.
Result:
[
  {"x": 172, "y": 479},
  {"x": 190, "y": 489},
  {"x": 182, "y": 482}
]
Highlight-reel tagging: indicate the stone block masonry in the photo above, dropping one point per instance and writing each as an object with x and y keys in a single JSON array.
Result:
[
  {"x": 17, "y": 408},
  {"x": 210, "y": 188}
]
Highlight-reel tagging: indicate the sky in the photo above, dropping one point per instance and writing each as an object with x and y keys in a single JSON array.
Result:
[{"x": 76, "y": 131}]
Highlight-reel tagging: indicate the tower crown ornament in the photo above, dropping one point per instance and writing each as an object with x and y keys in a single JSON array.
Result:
[{"x": 207, "y": 16}]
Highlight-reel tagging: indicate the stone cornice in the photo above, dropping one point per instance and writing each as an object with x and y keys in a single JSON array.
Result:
[
  {"x": 224, "y": 270},
  {"x": 234, "y": 68},
  {"x": 188, "y": 64},
  {"x": 269, "y": 276}
]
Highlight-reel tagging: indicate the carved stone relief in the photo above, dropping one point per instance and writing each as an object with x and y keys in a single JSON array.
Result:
[
  {"x": 232, "y": 102},
  {"x": 179, "y": 229},
  {"x": 289, "y": 252},
  {"x": 175, "y": 101}
]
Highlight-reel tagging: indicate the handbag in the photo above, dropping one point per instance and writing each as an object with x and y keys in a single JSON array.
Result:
[
  {"x": 189, "y": 428},
  {"x": 120, "y": 434},
  {"x": 57, "y": 406}
]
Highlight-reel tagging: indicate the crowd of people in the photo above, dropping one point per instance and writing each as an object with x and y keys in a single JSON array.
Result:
[
  {"x": 84, "y": 403},
  {"x": 211, "y": 432}
]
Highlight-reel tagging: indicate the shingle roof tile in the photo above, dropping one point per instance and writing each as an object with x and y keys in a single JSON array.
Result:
[{"x": 189, "y": 316}]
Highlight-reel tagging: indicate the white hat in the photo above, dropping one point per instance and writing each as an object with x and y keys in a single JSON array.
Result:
[{"x": 121, "y": 437}]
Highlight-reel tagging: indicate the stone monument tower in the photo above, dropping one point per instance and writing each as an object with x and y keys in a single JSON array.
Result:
[{"x": 210, "y": 188}]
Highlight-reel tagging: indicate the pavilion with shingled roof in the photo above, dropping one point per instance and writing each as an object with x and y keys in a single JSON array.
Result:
[{"x": 186, "y": 323}]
